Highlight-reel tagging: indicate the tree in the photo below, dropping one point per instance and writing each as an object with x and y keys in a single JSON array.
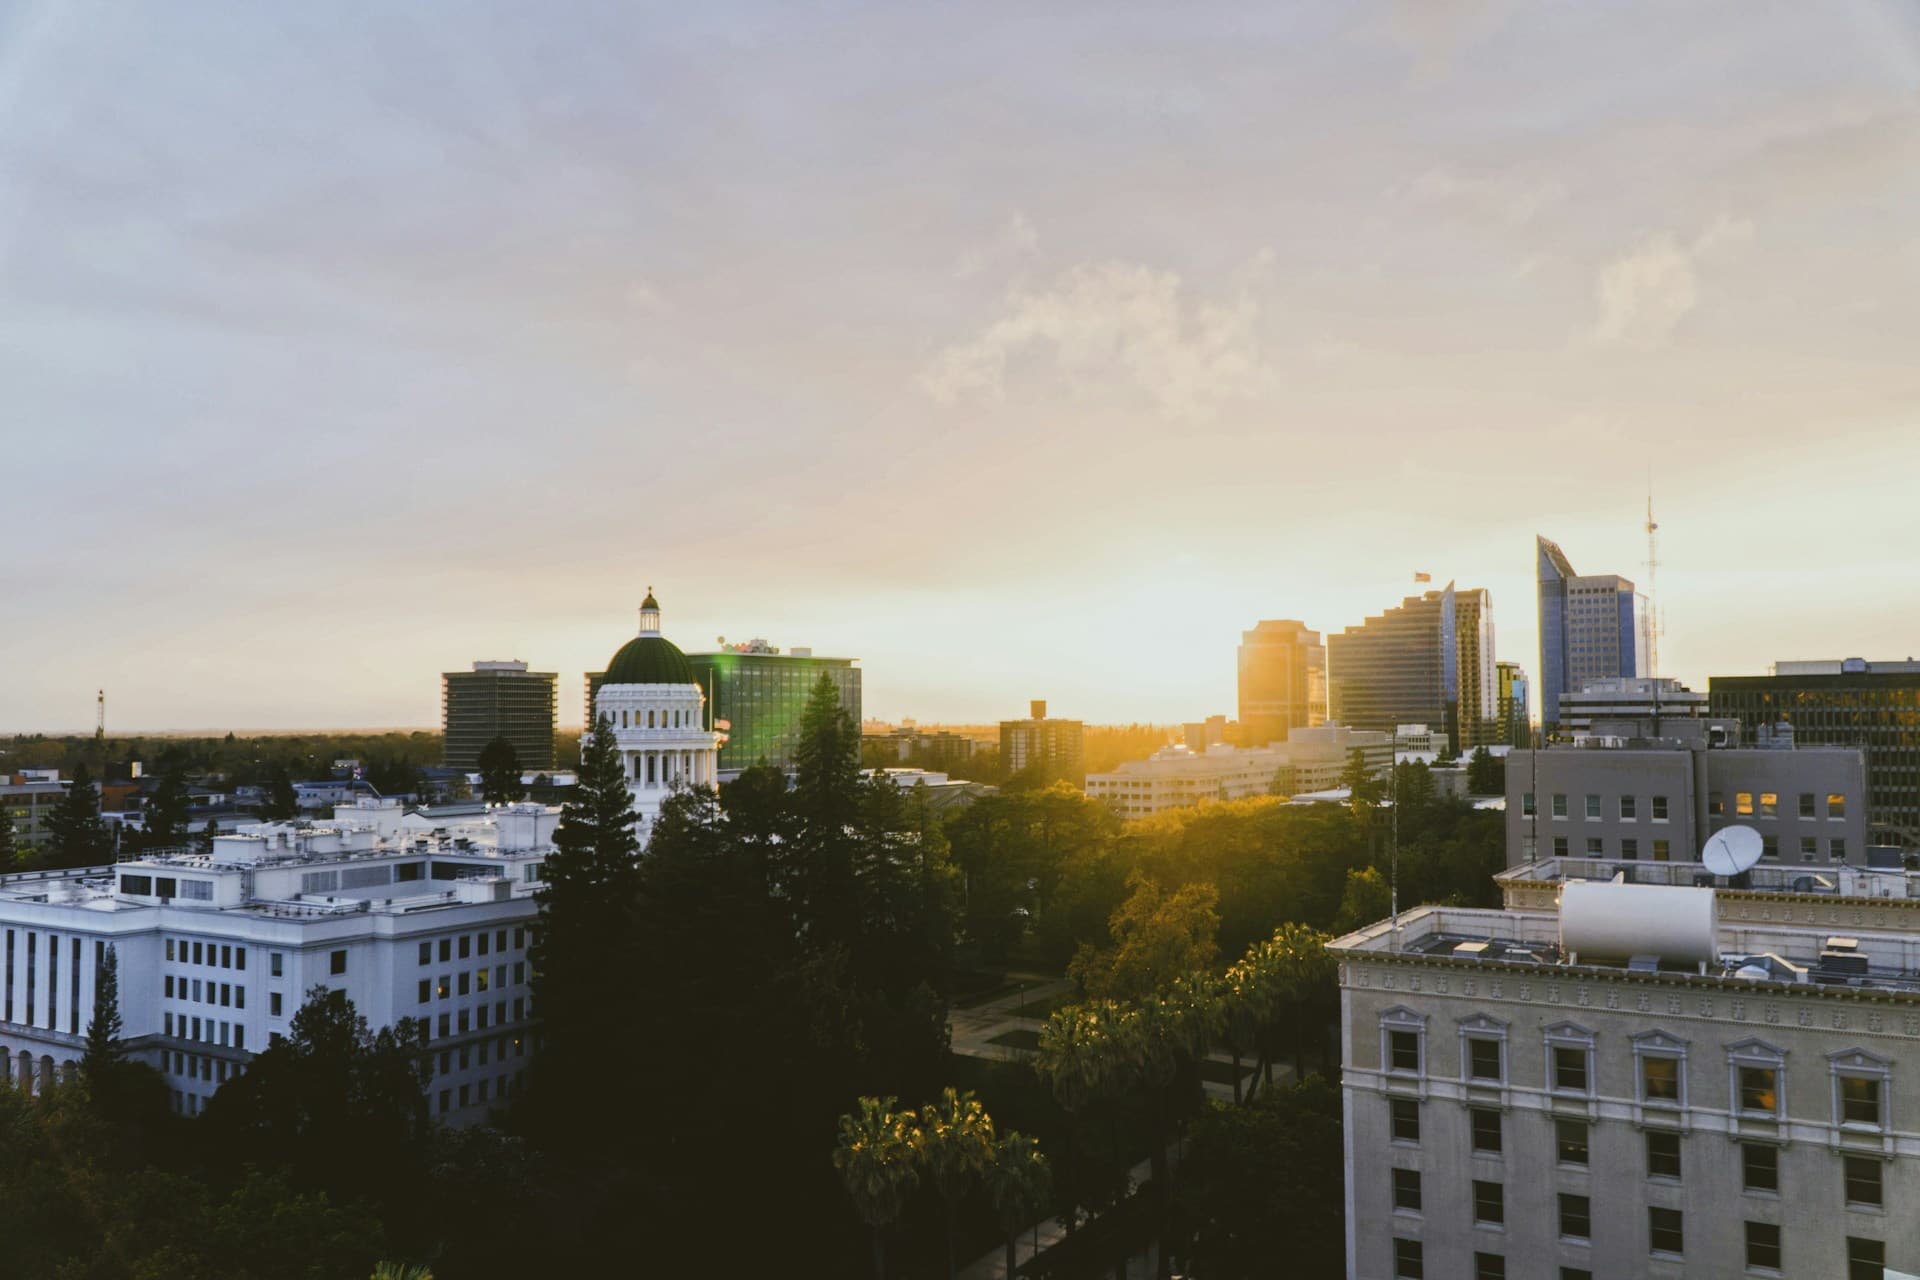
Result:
[
  {"x": 9, "y": 841},
  {"x": 203, "y": 843},
  {"x": 79, "y": 837},
  {"x": 500, "y": 772},
  {"x": 105, "y": 1055},
  {"x": 1157, "y": 936},
  {"x": 953, "y": 1142},
  {"x": 1019, "y": 1185},
  {"x": 164, "y": 820},
  {"x": 1367, "y": 897},
  {"x": 1486, "y": 773},
  {"x": 1265, "y": 1182},
  {"x": 877, "y": 1164},
  {"x": 281, "y": 801},
  {"x": 584, "y": 938}
]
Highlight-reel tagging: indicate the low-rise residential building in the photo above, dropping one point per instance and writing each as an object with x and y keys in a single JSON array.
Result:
[{"x": 410, "y": 916}]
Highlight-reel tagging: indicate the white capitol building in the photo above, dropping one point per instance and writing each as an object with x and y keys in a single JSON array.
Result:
[{"x": 658, "y": 714}]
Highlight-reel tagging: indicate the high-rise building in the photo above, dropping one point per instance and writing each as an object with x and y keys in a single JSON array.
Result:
[
  {"x": 1428, "y": 661},
  {"x": 498, "y": 700},
  {"x": 1591, "y": 628},
  {"x": 761, "y": 693},
  {"x": 1056, "y": 744},
  {"x": 1283, "y": 681},
  {"x": 1843, "y": 702},
  {"x": 1510, "y": 704}
]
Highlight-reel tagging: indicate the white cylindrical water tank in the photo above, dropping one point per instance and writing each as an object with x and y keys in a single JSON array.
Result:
[{"x": 1620, "y": 921}]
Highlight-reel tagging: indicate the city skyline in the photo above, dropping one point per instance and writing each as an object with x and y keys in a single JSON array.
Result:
[{"x": 364, "y": 345}]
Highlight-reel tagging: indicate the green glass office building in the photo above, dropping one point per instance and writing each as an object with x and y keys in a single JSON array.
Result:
[{"x": 762, "y": 696}]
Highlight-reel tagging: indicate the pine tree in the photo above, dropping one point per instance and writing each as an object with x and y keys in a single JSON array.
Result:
[
  {"x": 827, "y": 804},
  {"x": 282, "y": 800},
  {"x": 204, "y": 841},
  {"x": 79, "y": 837},
  {"x": 105, "y": 1054},
  {"x": 584, "y": 937},
  {"x": 500, "y": 772},
  {"x": 165, "y": 822}
]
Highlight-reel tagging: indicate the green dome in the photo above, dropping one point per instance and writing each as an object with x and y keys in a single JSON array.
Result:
[{"x": 649, "y": 660}]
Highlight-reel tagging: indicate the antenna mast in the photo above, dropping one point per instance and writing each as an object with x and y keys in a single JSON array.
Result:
[
  {"x": 100, "y": 732},
  {"x": 1653, "y": 587}
]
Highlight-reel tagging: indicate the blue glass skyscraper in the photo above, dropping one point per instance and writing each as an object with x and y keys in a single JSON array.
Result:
[{"x": 1591, "y": 628}]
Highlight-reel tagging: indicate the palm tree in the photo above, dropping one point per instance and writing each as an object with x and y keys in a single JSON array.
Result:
[
  {"x": 1093, "y": 1053},
  {"x": 402, "y": 1271},
  {"x": 877, "y": 1163},
  {"x": 1175, "y": 1027},
  {"x": 1019, "y": 1183},
  {"x": 954, "y": 1144}
]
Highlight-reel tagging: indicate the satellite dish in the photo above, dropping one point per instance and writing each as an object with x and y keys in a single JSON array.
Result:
[{"x": 1732, "y": 851}]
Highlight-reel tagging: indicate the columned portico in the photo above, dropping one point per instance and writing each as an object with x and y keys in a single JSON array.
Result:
[{"x": 658, "y": 715}]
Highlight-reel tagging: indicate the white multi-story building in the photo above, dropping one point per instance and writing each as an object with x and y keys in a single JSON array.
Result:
[
  {"x": 658, "y": 712},
  {"x": 410, "y": 916},
  {"x": 1174, "y": 777}
]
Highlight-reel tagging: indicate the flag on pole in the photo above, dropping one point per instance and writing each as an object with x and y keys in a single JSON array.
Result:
[{"x": 1423, "y": 577}]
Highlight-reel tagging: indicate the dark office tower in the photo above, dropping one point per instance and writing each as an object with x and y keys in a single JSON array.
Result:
[
  {"x": 498, "y": 699},
  {"x": 1510, "y": 704},
  {"x": 1592, "y": 628},
  {"x": 1404, "y": 666},
  {"x": 1058, "y": 745},
  {"x": 1283, "y": 681},
  {"x": 1846, "y": 703},
  {"x": 761, "y": 693}
]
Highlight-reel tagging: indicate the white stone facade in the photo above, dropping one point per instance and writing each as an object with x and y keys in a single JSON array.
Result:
[{"x": 663, "y": 744}]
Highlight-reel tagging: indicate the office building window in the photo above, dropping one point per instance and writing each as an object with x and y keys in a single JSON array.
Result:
[
  {"x": 1716, "y": 805},
  {"x": 1763, "y": 1246},
  {"x": 1570, "y": 1141},
  {"x": 1576, "y": 1217},
  {"x": 1662, "y": 851},
  {"x": 1836, "y": 805},
  {"x": 276, "y": 964},
  {"x": 1759, "y": 1090},
  {"x": 446, "y": 950},
  {"x": 1402, "y": 1035},
  {"x": 1596, "y": 848},
  {"x": 1489, "y": 1203},
  {"x": 1593, "y": 808},
  {"x": 1659, "y": 1079},
  {"x": 1405, "y": 1051},
  {"x": 1559, "y": 804},
  {"x": 426, "y": 990},
  {"x": 466, "y": 945},
  {"x": 1409, "y": 1260},
  {"x": 273, "y": 1004},
  {"x": 1866, "y": 1259},
  {"x": 1630, "y": 848},
  {"x": 1526, "y": 804},
  {"x": 1759, "y": 1167},
  {"x": 1860, "y": 1100},
  {"x": 1769, "y": 804},
  {"x": 1629, "y": 808},
  {"x": 1743, "y": 804},
  {"x": 1806, "y": 805},
  {"x": 1570, "y": 1068},
  {"x": 1663, "y": 1154},
  {"x": 1863, "y": 1181},
  {"x": 1559, "y": 846},
  {"x": 1836, "y": 850},
  {"x": 1484, "y": 1123},
  {"x": 1769, "y": 845},
  {"x": 1406, "y": 1190},
  {"x": 1405, "y": 1119},
  {"x": 1659, "y": 808},
  {"x": 337, "y": 962},
  {"x": 1483, "y": 1058},
  {"x": 426, "y": 953},
  {"x": 1664, "y": 1234},
  {"x": 466, "y": 983},
  {"x": 1809, "y": 848},
  {"x": 1489, "y": 1266}
]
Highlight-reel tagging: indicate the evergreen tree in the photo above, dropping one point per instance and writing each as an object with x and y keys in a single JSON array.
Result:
[
  {"x": 204, "y": 841},
  {"x": 827, "y": 810},
  {"x": 79, "y": 837},
  {"x": 165, "y": 822},
  {"x": 282, "y": 801},
  {"x": 584, "y": 938},
  {"x": 500, "y": 772},
  {"x": 105, "y": 1055},
  {"x": 1486, "y": 773}
]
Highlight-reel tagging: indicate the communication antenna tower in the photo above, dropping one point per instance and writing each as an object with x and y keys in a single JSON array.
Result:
[
  {"x": 100, "y": 732},
  {"x": 1653, "y": 587}
]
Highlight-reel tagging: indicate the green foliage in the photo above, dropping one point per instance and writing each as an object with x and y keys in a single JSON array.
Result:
[
  {"x": 1266, "y": 1182},
  {"x": 1157, "y": 936},
  {"x": 164, "y": 818},
  {"x": 281, "y": 800},
  {"x": 104, "y": 1056},
  {"x": 878, "y": 1166},
  {"x": 1486, "y": 773},
  {"x": 1367, "y": 897},
  {"x": 78, "y": 837},
  {"x": 203, "y": 843},
  {"x": 1015, "y": 849},
  {"x": 500, "y": 772},
  {"x": 9, "y": 842}
]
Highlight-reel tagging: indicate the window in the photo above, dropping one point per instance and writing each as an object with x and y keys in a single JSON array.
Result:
[
  {"x": 1406, "y": 1190},
  {"x": 1406, "y": 1119},
  {"x": 1662, "y": 851},
  {"x": 1809, "y": 848},
  {"x": 1866, "y": 1259},
  {"x": 276, "y": 964},
  {"x": 466, "y": 945},
  {"x": 1659, "y": 1079},
  {"x": 1483, "y": 1058},
  {"x": 1403, "y": 1051},
  {"x": 1489, "y": 1203},
  {"x": 1485, "y": 1125},
  {"x": 484, "y": 939},
  {"x": 169, "y": 948},
  {"x": 1630, "y": 848},
  {"x": 1770, "y": 845},
  {"x": 1836, "y": 805},
  {"x": 1663, "y": 1155},
  {"x": 426, "y": 953},
  {"x": 337, "y": 962},
  {"x": 446, "y": 949},
  {"x": 1743, "y": 803},
  {"x": 240, "y": 957},
  {"x": 1759, "y": 1167},
  {"x": 226, "y": 957},
  {"x": 1526, "y": 804},
  {"x": 1629, "y": 808},
  {"x": 1759, "y": 1090},
  {"x": 1863, "y": 1181},
  {"x": 1769, "y": 804},
  {"x": 1659, "y": 808},
  {"x": 1716, "y": 804},
  {"x": 1559, "y": 804},
  {"x": 466, "y": 983},
  {"x": 273, "y": 1004},
  {"x": 1806, "y": 804},
  {"x": 1664, "y": 1231},
  {"x": 1576, "y": 1217},
  {"x": 1836, "y": 850},
  {"x": 1489, "y": 1266},
  {"x": 167, "y": 985},
  {"x": 1593, "y": 808},
  {"x": 1763, "y": 1246},
  {"x": 1569, "y": 1069},
  {"x": 426, "y": 990},
  {"x": 1559, "y": 846},
  {"x": 1596, "y": 848},
  {"x": 1409, "y": 1261},
  {"x": 1860, "y": 1100},
  {"x": 1570, "y": 1141},
  {"x": 1575, "y": 1273}
]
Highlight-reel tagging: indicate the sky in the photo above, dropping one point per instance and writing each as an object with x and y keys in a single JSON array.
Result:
[{"x": 1017, "y": 350}]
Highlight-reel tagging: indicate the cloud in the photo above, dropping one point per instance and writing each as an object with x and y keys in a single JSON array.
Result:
[
  {"x": 1016, "y": 239},
  {"x": 1436, "y": 32},
  {"x": 1497, "y": 198},
  {"x": 1644, "y": 294},
  {"x": 1118, "y": 322}
]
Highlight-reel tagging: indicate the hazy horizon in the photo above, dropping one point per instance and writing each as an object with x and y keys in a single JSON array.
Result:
[{"x": 1018, "y": 353}]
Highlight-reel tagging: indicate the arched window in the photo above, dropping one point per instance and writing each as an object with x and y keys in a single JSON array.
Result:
[
  {"x": 650, "y": 773},
  {"x": 623, "y": 719},
  {"x": 636, "y": 768},
  {"x": 650, "y": 718}
]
